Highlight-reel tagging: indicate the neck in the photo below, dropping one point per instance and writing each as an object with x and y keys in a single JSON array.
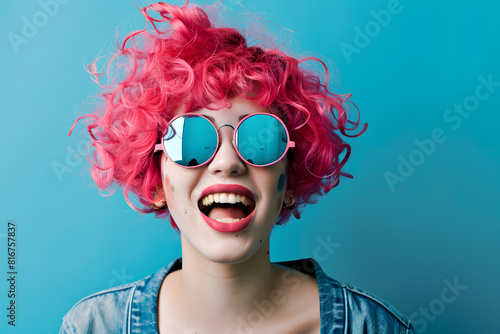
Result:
[{"x": 216, "y": 292}]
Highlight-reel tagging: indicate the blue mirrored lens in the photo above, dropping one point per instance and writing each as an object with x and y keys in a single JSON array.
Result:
[
  {"x": 191, "y": 140},
  {"x": 261, "y": 139}
]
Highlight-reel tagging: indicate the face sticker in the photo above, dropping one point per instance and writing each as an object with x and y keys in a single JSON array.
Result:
[
  {"x": 281, "y": 182},
  {"x": 168, "y": 184}
]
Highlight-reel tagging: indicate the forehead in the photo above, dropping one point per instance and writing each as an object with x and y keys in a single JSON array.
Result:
[{"x": 239, "y": 107}]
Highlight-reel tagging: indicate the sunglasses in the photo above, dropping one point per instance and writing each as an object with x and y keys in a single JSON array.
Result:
[{"x": 192, "y": 140}]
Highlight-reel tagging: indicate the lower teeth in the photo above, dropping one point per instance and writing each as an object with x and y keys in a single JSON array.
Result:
[{"x": 228, "y": 220}]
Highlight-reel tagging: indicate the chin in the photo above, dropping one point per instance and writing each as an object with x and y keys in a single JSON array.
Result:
[{"x": 229, "y": 252}]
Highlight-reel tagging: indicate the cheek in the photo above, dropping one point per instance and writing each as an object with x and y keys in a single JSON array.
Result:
[{"x": 278, "y": 204}]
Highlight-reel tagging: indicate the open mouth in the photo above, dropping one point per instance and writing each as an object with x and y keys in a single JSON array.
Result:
[{"x": 226, "y": 207}]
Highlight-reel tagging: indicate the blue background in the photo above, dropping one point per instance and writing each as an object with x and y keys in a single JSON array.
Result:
[{"x": 401, "y": 242}]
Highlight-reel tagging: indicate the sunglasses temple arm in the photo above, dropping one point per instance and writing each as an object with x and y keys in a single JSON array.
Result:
[
  {"x": 290, "y": 144},
  {"x": 159, "y": 147}
]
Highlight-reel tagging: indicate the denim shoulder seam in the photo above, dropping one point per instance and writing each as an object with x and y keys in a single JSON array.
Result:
[
  {"x": 346, "y": 311},
  {"x": 103, "y": 292},
  {"x": 128, "y": 313},
  {"x": 405, "y": 322}
]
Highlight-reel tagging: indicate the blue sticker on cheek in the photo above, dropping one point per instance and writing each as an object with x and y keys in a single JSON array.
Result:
[{"x": 281, "y": 182}]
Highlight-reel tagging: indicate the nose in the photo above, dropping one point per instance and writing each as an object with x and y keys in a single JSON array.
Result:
[{"x": 226, "y": 161}]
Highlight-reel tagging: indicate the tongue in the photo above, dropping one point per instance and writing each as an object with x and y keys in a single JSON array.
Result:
[{"x": 230, "y": 212}]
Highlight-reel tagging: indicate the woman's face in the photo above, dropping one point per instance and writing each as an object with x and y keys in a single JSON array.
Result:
[{"x": 186, "y": 188}]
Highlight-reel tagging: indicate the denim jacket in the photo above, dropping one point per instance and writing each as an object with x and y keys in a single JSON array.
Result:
[{"x": 131, "y": 308}]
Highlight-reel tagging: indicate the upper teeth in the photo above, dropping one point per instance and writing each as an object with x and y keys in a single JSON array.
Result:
[{"x": 225, "y": 198}]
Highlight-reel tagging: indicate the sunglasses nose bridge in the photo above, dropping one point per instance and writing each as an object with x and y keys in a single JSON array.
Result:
[
  {"x": 224, "y": 125},
  {"x": 230, "y": 135},
  {"x": 226, "y": 160}
]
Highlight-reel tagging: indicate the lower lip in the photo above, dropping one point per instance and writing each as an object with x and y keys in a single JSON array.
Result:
[{"x": 228, "y": 227}]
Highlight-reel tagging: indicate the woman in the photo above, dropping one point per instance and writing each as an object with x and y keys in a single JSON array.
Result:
[{"x": 227, "y": 140}]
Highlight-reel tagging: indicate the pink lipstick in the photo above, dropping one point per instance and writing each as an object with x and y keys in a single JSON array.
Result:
[{"x": 227, "y": 209}]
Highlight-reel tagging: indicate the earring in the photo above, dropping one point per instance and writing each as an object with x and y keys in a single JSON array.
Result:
[
  {"x": 154, "y": 207},
  {"x": 290, "y": 206}
]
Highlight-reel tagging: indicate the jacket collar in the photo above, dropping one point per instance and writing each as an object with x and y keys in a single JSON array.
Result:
[{"x": 143, "y": 310}]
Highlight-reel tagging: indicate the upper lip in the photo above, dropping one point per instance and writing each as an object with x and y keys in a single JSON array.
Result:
[{"x": 227, "y": 188}]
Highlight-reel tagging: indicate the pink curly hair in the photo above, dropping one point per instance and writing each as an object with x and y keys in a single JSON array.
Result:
[{"x": 193, "y": 65}]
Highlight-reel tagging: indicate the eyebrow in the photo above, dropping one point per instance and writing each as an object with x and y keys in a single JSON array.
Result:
[{"x": 209, "y": 117}]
